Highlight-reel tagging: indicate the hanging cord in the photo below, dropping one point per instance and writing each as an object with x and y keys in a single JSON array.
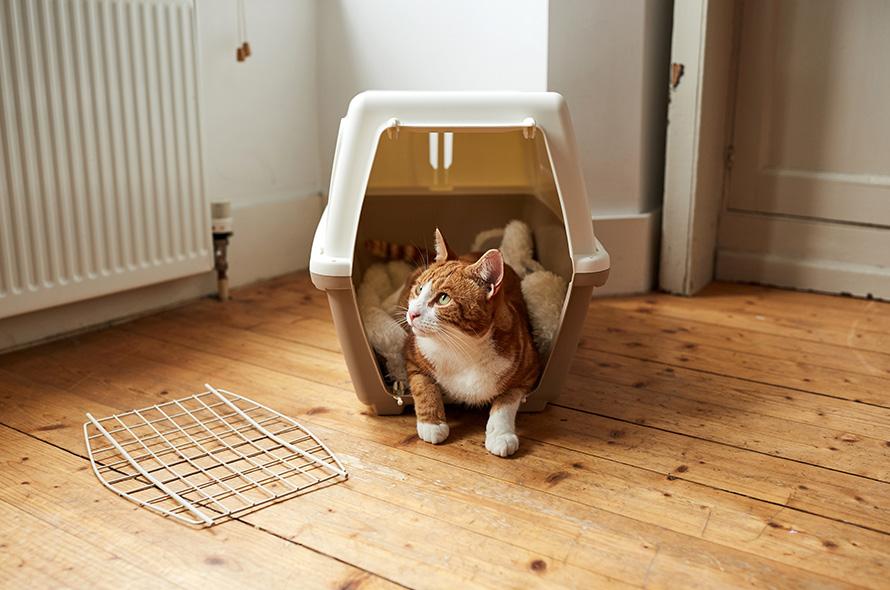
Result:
[
  {"x": 243, "y": 51},
  {"x": 245, "y": 45}
]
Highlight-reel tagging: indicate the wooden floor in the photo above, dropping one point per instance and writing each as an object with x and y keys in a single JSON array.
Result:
[{"x": 740, "y": 438}]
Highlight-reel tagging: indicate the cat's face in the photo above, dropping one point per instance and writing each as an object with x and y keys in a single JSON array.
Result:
[
  {"x": 443, "y": 298},
  {"x": 454, "y": 294}
]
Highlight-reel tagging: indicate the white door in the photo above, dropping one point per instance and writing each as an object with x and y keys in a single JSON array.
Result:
[{"x": 808, "y": 194}]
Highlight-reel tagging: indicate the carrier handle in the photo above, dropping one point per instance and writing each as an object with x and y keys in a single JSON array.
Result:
[{"x": 394, "y": 126}]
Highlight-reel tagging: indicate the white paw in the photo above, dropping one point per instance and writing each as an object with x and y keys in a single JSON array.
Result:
[
  {"x": 432, "y": 433},
  {"x": 502, "y": 445}
]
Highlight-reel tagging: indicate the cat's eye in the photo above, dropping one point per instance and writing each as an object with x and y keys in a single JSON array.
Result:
[
  {"x": 443, "y": 299},
  {"x": 418, "y": 289}
]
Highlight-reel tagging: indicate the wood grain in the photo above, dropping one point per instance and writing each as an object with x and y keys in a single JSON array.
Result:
[{"x": 694, "y": 446}]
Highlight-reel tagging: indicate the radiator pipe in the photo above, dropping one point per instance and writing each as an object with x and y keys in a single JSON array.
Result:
[{"x": 222, "y": 230}]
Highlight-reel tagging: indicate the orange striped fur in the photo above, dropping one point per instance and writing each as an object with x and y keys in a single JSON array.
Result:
[
  {"x": 392, "y": 251},
  {"x": 469, "y": 342}
]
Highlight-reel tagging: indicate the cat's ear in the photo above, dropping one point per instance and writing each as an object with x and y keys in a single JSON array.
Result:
[
  {"x": 443, "y": 251},
  {"x": 490, "y": 269}
]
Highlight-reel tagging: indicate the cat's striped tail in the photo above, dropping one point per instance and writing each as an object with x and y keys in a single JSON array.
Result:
[{"x": 393, "y": 251}]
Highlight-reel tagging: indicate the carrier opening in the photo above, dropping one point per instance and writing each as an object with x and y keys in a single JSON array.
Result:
[
  {"x": 471, "y": 164},
  {"x": 471, "y": 185}
]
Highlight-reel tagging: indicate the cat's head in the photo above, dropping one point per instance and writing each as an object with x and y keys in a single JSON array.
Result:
[{"x": 455, "y": 293}]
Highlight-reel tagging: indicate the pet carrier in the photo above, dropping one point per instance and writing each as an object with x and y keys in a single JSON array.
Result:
[{"x": 471, "y": 164}]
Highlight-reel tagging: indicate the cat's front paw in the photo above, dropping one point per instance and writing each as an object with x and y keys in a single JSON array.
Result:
[
  {"x": 432, "y": 433},
  {"x": 503, "y": 444}
]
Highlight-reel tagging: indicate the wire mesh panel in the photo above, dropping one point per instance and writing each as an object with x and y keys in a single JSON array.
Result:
[{"x": 207, "y": 456}]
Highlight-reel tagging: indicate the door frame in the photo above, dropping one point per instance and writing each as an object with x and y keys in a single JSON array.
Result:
[{"x": 704, "y": 49}]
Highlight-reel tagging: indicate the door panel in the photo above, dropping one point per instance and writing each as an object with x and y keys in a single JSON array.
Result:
[
  {"x": 811, "y": 140},
  {"x": 812, "y": 125}
]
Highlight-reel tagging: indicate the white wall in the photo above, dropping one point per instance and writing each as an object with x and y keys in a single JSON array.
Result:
[
  {"x": 261, "y": 131},
  {"x": 429, "y": 45},
  {"x": 259, "y": 115},
  {"x": 610, "y": 60}
]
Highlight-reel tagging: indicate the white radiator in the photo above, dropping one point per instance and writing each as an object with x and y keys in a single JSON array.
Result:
[{"x": 101, "y": 186}]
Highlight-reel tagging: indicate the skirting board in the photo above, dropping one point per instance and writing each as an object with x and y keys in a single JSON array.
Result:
[
  {"x": 289, "y": 219},
  {"x": 632, "y": 242},
  {"x": 823, "y": 276},
  {"x": 804, "y": 254}
]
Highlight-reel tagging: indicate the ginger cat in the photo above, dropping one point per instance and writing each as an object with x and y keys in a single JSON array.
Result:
[{"x": 469, "y": 342}]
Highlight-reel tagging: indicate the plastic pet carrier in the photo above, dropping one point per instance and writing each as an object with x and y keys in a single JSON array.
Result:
[{"x": 476, "y": 165}]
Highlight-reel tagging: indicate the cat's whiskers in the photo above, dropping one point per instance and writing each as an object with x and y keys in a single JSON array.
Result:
[
  {"x": 454, "y": 338},
  {"x": 400, "y": 318}
]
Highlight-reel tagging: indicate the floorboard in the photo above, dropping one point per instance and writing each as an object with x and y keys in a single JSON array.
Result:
[{"x": 740, "y": 438}]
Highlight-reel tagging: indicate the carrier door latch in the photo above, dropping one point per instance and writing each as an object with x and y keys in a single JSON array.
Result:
[
  {"x": 393, "y": 128},
  {"x": 441, "y": 158},
  {"x": 529, "y": 127}
]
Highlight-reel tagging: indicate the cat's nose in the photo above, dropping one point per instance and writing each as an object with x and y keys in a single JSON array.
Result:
[{"x": 412, "y": 315}]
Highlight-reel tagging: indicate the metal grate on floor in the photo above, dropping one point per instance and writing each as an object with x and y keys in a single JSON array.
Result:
[{"x": 207, "y": 456}]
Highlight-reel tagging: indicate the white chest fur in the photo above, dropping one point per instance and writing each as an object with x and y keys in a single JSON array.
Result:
[{"x": 467, "y": 368}]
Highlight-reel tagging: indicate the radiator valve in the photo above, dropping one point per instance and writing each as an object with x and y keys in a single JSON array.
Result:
[{"x": 221, "y": 225}]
